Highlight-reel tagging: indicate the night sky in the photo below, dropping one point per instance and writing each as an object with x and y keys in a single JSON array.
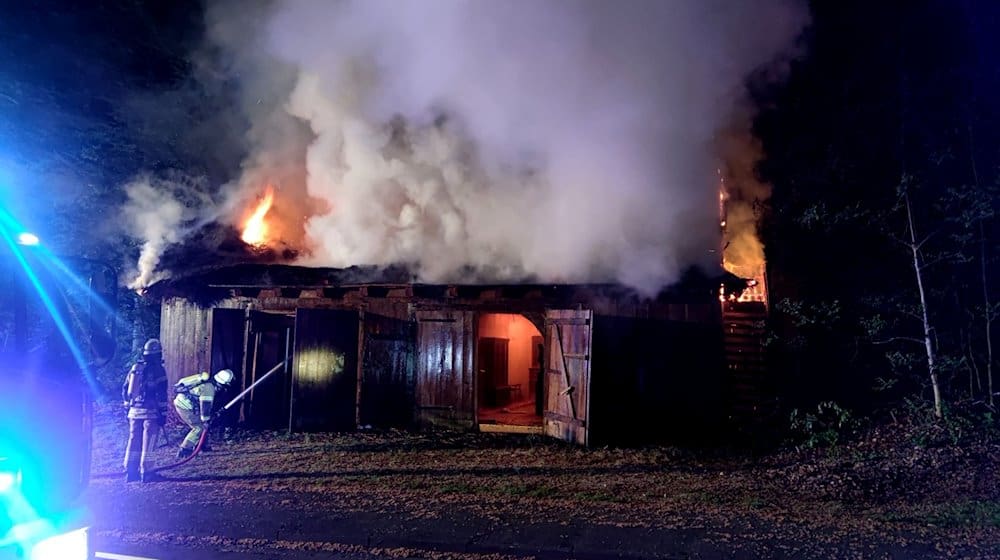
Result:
[{"x": 67, "y": 140}]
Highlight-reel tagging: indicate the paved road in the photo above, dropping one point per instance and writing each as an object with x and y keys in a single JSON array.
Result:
[
  {"x": 237, "y": 506},
  {"x": 161, "y": 521},
  {"x": 159, "y": 552},
  {"x": 158, "y": 521},
  {"x": 282, "y": 533}
]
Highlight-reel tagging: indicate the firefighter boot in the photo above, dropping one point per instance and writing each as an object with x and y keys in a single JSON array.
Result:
[
  {"x": 184, "y": 452},
  {"x": 132, "y": 473}
]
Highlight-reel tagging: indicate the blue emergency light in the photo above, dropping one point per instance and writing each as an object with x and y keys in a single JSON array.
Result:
[
  {"x": 8, "y": 481},
  {"x": 28, "y": 239}
]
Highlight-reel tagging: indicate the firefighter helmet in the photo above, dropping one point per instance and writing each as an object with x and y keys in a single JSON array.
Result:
[
  {"x": 152, "y": 346},
  {"x": 224, "y": 377}
]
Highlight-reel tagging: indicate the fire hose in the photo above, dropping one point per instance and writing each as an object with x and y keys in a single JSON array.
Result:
[{"x": 208, "y": 424}]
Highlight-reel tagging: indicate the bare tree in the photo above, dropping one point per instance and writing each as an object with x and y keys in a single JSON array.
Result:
[{"x": 918, "y": 268}]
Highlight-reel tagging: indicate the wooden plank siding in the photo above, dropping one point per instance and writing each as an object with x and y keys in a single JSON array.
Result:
[
  {"x": 445, "y": 369},
  {"x": 752, "y": 396},
  {"x": 186, "y": 337}
]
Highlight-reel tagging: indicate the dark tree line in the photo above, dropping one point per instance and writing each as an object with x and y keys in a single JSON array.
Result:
[
  {"x": 91, "y": 95},
  {"x": 883, "y": 148},
  {"x": 77, "y": 80}
]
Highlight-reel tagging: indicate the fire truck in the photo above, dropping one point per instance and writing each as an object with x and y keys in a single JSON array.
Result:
[{"x": 57, "y": 326}]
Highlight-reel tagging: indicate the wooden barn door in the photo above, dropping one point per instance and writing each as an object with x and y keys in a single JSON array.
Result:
[
  {"x": 492, "y": 359},
  {"x": 445, "y": 373},
  {"x": 324, "y": 370},
  {"x": 387, "y": 366},
  {"x": 567, "y": 374}
]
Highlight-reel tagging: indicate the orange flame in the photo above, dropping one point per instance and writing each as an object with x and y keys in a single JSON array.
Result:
[
  {"x": 255, "y": 228},
  {"x": 749, "y": 266}
]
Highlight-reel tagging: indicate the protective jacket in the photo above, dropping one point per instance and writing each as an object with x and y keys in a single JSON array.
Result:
[
  {"x": 145, "y": 391},
  {"x": 196, "y": 393}
]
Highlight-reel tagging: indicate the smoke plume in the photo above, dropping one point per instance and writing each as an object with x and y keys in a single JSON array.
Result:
[
  {"x": 558, "y": 140},
  {"x": 161, "y": 213}
]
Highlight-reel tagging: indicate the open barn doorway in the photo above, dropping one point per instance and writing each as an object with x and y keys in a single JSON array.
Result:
[
  {"x": 250, "y": 344},
  {"x": 509, "y": 382},
  {"x": 269, "y": 337}
]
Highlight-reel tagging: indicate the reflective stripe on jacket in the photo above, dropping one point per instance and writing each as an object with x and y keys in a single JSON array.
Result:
[{"x": 200, "y": 386}]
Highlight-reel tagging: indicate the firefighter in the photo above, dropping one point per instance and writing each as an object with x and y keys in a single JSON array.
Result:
[
  {"x": 194, "y": 401},
  {"x": 144, "y": 393}
]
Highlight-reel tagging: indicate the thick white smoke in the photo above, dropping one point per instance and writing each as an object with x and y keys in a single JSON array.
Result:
[
  {"x": 559, "y": 140},
  {"x": 161, "y": 213}
]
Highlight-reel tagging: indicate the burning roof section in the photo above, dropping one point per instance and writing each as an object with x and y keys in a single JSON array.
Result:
[
  {"x": 219, "y": 258},
  {"x": 742, "y": 250},
  {"x": 547, "y": 140}
]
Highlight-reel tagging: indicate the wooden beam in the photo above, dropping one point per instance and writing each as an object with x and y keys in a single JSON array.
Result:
[
  {"x": 510, "y": 429},
  {"x": 565, "y": 419}
]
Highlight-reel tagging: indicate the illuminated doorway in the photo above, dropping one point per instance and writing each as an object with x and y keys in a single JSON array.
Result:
[{"x": 509, "y": 380}]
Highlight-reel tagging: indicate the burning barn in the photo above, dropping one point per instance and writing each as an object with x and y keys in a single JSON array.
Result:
[
  {"x": 383, "y": 149},
  {"x": 585, "y": 363},
  {"x": 357, "y": 347}
]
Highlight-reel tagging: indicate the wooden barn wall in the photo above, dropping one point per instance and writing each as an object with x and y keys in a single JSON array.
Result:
[
  {"x": 185, "y": 332},
  {"x": 655, "y": 365},
  {"x": 444, "y": 377},
  {"x": 656, "y": 381},
  {"x": 388, "y": 383}
]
